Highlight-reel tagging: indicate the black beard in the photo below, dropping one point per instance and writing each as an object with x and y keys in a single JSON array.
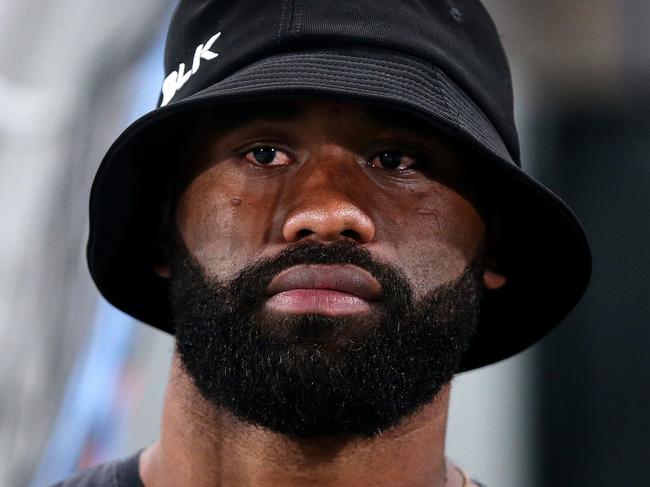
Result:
[{"x": 313, "y": 375}]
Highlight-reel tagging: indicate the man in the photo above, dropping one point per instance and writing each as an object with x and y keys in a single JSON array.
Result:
[{"x": 327, "y": 211}]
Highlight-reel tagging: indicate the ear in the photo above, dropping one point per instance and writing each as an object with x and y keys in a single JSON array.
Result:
[
  {"x": 160, "y": 261},
  {"x": 493, "y": 280},
  {"x": 492, "y": 256},
  {"x": 162, "y": 247},
  {"x": 162, "y": 269}
]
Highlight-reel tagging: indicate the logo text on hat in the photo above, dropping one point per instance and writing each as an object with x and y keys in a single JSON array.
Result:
[{"x": 176, "y": 79}]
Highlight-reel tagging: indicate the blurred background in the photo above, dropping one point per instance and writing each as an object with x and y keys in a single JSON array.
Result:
[{"x": 81, "y": 383}]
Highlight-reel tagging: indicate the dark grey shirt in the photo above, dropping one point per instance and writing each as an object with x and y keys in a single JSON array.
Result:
[{"x": 118, "y": 473}]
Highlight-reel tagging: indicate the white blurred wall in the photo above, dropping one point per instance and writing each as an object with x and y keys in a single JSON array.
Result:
[{"x": 65, "y": 71}]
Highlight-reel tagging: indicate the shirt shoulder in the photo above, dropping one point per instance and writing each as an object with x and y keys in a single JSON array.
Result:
[{"x": 117, "y": 473}]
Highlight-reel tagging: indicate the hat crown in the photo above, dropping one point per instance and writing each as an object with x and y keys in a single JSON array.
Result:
[{"x": 459, "y": 37}]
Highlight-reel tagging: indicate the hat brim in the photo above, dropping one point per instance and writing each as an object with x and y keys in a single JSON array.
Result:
[{"x": 545, "y": 250}]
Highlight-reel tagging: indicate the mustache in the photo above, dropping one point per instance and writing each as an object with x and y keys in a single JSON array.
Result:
[{"x": 250, "y": 283}]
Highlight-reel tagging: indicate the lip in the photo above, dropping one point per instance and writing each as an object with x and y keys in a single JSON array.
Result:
[{"x": 342, "y": 278}]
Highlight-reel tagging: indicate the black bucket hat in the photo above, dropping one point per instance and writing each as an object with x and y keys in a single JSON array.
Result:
[{"x": 440, "y": 60}]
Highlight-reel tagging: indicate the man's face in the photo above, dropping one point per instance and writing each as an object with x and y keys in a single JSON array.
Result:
[{"x": 325, "y": 266}]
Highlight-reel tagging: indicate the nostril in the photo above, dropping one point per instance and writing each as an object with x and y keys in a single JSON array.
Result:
[
  {"x": 351, "y": 234},
  {"x": 303, "y": 233}
]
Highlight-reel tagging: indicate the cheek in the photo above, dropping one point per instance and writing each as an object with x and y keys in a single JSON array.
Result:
[
  {"x": 217, "y": 217},
  {"x": 438, "y": 234}
]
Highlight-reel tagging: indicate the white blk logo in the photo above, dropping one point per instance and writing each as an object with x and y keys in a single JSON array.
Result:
[{"x": 176, "y": 79}]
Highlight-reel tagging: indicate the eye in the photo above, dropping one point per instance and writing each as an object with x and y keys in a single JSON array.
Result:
[
  {"x": 393, "y": 159},
  {"x": 267, "y": 156}
]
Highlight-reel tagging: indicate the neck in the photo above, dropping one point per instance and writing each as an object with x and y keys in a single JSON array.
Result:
[{"x": 201, "y": 445}]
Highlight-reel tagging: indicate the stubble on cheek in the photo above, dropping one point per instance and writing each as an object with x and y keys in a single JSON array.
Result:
[
  {"x": 430, "y": 259},
  {"x": 444, "y": 235},
  {"x": 211, "y": 227}
]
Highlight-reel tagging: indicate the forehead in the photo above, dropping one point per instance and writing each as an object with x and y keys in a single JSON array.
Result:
[{"x": 361, "y": 115}]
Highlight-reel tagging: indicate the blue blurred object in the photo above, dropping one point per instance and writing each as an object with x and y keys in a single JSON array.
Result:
[
  {"x": 91, "y": 425},
  {"x": 90, "y": 420}
]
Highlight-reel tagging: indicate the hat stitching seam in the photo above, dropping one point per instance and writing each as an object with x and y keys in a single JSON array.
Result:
[
  {"x": 292, "y": 19},
  {"x": 283, "y": 11},
  {"x": 325, "y": 73},
  {"x": 444, "y": 98},
  {"x": 299, "y": 16},
  {"x": 316, "y": 66},
  {"x": 394, "y": 67}
]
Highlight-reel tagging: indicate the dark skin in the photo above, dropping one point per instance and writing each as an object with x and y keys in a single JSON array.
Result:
[{"x": 323, "y": 170}]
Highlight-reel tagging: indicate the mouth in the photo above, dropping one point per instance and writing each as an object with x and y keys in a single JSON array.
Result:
[{"x": 332, "y": 290}]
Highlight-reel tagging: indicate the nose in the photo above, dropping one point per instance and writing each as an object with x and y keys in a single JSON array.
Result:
[{"x": 327, "y": 200}]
